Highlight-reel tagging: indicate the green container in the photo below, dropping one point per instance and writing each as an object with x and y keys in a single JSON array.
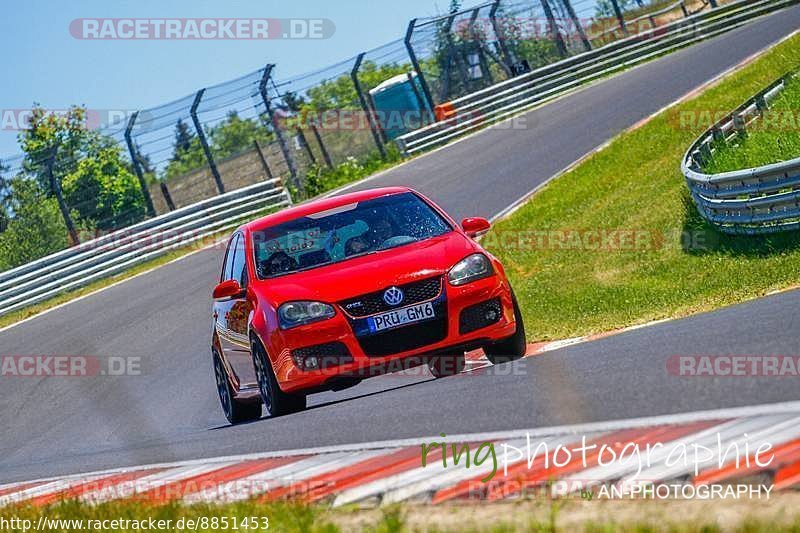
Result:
[{"x": 399, "y": 105}]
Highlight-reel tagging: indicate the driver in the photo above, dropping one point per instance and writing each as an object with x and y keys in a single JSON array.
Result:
[
  {"x": 279, "y": 263},
  {"x": 380, "y": 230}
]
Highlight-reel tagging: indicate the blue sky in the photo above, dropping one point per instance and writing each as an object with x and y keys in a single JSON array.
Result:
[{"x": 44, "y": 63}]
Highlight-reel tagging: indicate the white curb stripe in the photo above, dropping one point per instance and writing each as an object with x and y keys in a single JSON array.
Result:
[{"x": 772, "y": 433}]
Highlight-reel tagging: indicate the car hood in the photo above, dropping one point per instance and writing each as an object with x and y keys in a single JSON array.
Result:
[{"x": 371, "y": 272}]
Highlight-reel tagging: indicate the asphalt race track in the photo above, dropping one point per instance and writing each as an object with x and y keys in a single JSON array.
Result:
[{"x": 59, "y": 425}]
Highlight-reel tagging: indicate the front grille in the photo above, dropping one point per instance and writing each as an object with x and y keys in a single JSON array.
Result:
[
  {"x": 405, "y": 338},
  {"x": 479, "y": 316},
  {"x": 327, "y": 355},
  {"x": 415, "y": 292}
]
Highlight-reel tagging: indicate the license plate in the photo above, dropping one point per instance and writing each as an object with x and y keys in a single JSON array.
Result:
[{"x": 401, "y": 317}]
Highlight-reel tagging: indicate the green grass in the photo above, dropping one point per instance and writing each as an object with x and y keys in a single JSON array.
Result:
[
  {"x": 770, "y": 140},
  {"x": 636, "y": 184}
]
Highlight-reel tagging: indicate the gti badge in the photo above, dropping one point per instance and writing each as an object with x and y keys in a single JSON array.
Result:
[{"x": 393, "y": 296}]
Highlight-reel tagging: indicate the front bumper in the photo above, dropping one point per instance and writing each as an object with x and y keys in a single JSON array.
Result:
[{"x": 398, "y": 348}]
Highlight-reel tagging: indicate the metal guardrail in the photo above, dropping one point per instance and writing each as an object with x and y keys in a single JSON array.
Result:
[
  {"x": 118, "y": 251},
  {"x": 513, "y": 96},
  {"x": 755, "y": 200}
]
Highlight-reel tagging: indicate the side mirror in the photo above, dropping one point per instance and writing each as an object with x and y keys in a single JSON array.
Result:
[
  {"x": 227, "y": 289},
  {"x": 474, "y": 226}
]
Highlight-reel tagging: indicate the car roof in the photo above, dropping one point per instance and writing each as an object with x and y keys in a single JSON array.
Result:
[{"x": 323, "y": 204}]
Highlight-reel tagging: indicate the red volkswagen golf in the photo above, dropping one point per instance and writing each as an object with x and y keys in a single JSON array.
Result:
[{"x": 324, "y": 294}]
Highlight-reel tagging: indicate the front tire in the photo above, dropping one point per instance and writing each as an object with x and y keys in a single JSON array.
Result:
[
  {"x": 235, "y": 411},
  {"x": 276, "y": 402},
  {"x": 510, "y": 348}
]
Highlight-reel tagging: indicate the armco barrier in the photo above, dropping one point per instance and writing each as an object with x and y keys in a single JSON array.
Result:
[
  {"x": 510, "y": 97},
  {"x": 755, "y": 200},
  {"x": 121, "y": 250}
]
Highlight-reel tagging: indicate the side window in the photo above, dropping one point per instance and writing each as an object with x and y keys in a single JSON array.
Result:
[
  {"x": 229, "y": 253},
  {"x": 239, "y": 266}
]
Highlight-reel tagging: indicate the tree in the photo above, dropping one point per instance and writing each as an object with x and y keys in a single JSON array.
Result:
[
  {"x": 293, "y": 102},
  {"x": 98, "y": 184},
  {"x": 236, "y": 134},
  {"x": 340, "y": 93},
  {"x": 103, "y": 190},
  {"x": 187, "y": 152},
  {"x": 523, "y": 44},
  {"x": 35, "y": 230},
  {"x": 183, "y": 140},
  {"x": 605, "y": 9},
  {"x": 63, "y": 136}
]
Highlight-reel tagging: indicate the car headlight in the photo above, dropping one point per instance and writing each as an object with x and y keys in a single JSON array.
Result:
[
  {"x": 471, "y": 268},
  {"x": 292, "y": 314}
]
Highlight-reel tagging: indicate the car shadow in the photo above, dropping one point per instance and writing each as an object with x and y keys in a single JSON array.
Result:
[{"x": 328, "y": 403}]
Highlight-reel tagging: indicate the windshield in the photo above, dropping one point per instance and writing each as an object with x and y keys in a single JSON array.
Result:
[{"x": 344, "y": 232}]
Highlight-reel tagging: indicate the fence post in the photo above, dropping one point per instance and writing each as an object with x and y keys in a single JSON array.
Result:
[
  {"x": 263, "y": 159},
  {"x": 167, "y": 196},
  {"x": 55, "y": 185},
  {"x": 204, "y": 142},
  {"x": 137, "y": 167},
  {"x": 712, "y": 3},
  {"x": 453, "y": 54},
  {"x": 365, "y": 106},
  {"x": 287, "y": 154},
  {"x": 568, "y": 6},
  {"x": 501, "y": 41},
  {"x": 325, "y": 155},
  {"x": 415, "y": 63},
  {"x": 418, "y": 98},
  {"x": 476, "y": 38},
  {"x": 304, "y": 143},
  {"x": 620, "y": 17},
  {"x": 551, "y": 21}
]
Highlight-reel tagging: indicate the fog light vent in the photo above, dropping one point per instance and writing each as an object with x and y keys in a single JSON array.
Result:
[
  {"x": 321, "y": 356},
  {"x": 480, "y": 315}
]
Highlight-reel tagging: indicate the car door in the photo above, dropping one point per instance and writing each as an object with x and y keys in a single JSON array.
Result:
[
  {"x": 232, "y": 316},
  {"x": 238, "y": 319}
]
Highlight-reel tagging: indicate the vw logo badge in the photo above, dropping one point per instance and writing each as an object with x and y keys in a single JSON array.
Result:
[{"x": 393, "y": 296}]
